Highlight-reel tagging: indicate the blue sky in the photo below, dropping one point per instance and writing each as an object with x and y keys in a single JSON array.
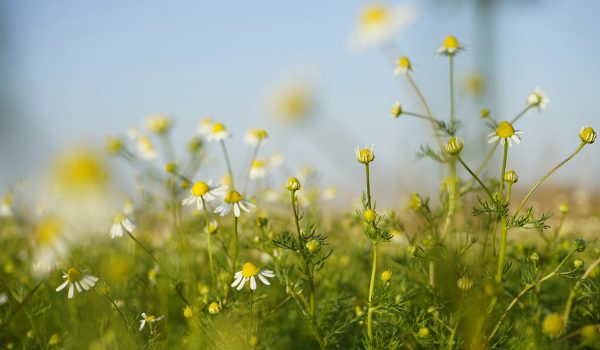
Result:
[{"x": 86, "y": 69}]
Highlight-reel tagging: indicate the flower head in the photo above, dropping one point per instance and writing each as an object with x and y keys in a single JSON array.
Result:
[
  {"x": 214, "y": 308},
  {"x": 464, "y": 283},
  {"x": 553, "y": 325},
  {"x": 254, "y": 136},
  {"x": 159, "y": 123},
  {"x": 147, "y": 318},
  {"x": 293, "y": 184},
  {"x": 537, "y": 99},
  {"x": 386, "y": 276},
  {"x": 505, "y": 132},
  {"x": 113, "y": 144},
  {"x": 248, "y": 273},
  {"x": 364, "y": 155},
  {"x": 202, "y": 192},
  {"x": 146, "y": 147},
  {"x": 206, "y": 125},
  {"x": 218, "y": 132},
  {"x": 396, "y": 110},
  {"x": 120, "y": 223},
  {"x": 188, "y": 312},
  {"x": 258, "y": 169},
  {"x": 450, "y": 46},
  {"x": 377, "y": 24},
  {"x": 403, "y": 66},
  {"x": 76, "y": 279},
  {"x": 511, "y": 177},
  {"x": 235, "y": 200},
  {"x": 587, "y": 134},
  {"x": 454, "y": 146}
]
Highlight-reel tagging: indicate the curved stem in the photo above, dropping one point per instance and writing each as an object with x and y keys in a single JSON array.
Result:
[
  {"x": 413, "y": 84},
  {"x": 546, "y": 176},
  {"x": 114, "y": 304},
  {"x": 575, "y": 288},
  {"x": 371, "y": 289},
  {"x": 527, "y": 288},
  {"x": 522, "y": 113}
]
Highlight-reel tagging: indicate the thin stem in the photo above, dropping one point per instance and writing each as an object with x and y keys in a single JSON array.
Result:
[
  {"x": 420, "y": 116},
  {"x": 427, "y": 110},
  {"x": 504, "y": 159},
  {"x": 575, "y": 288},
  {"x": 254, "y": 155},
  {"x": 482, "y": 166},
  {"x": 229, "y": 168},
  {"x": 235, "y": 242},
  {"x": 114, "y": 304},
  {"x": 209, "y": 248},
  {"x": 368, "y": 186},
  {"x": 371, "y": 289},
  {"x": 503, "y": 222},
  {"x": 475, "y": 176},
  {"x": 295, "y": 208},
  {"x": 452, "y": 115},
  {"x": 20, "y": 304},
  {"x": 546, "y": 176},
  {"x": 527, "y": 288},
  {"x": 250, "y": 314},
  {"x": 452, "y": 198},
  {"x": 522, "y": 113}
]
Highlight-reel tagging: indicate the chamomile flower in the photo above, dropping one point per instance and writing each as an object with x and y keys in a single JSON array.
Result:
[
  {"x": 254, "y": 136},
  {"x": 235, "y": 200},
  {"x": 218, "y": 132},
  {"x": 258, "y": 169},
  {"x": 120, "y": 223},
  {"x": 378, "y": 23},
  {"x": 249, "y": 273},
  {"x": 50, "y": 244},
  {"x": 206, "y": 125},
  {"x": 76, "y": 279},
  {"x": 159, "y": 123},
  {"x": 147, "y": 318},
  {"x": 146, "y": 147},
  {"x": 537, "y": 99},
  {"x": 6, "y": 203},
  {"x": 403, "y": 66},
  {"x": 450, "y": 46},
  {"x": 505, "y": 132},
  {"x": 364, "y": 155},
  {"x": 202, "y": 192}
]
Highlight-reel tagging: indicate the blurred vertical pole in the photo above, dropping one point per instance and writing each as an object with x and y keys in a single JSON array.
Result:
[{"x": 485, "y": 50}]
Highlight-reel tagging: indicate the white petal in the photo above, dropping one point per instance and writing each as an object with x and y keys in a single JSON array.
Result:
[
  {"x": 118, "y": 231},
  {"x": 84, "y": 284},
  {"x": 263, "y": 279},
  {"x": 142, "y": 323},
  {"x": 62, "y": 286},
  {"x": 267, "y": 273},
  {"x": 128, "y": 225},
  {"x": 93, "y": 278},
  {"x": 252, "y": 283},
  {"x": 188, "y": 200},
  {"x": 242, "y": 283},
  {"x": 199, "y": 204},
  {"x": 71, "y": 290},
  {"x": 516, "y": 138},
  {"x": 79, "y": 289},
  {"x": 236, "y": 282},
  {"x": 493, "y": 139},
  {"x": 236, "y": 210}
]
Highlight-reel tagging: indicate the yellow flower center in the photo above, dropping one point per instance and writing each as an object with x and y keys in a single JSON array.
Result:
[
  {"x": 370, "y": 215},
  {"x": 48, "y": 231},
  {"x": 249, "y": 270},
  {"x": 233, "y": 197},
  {"x": 505, "y": 130},
  {"x": 260, "y": 134},
  {"x": 374, "y": 15},
  {"x": 73, "y": 275},
  {"x": 159, "y": 124},
  {"x": 150, "y": 318},
  {"x": 119, "y": 218},
  {"x": 404, "y": 62},
  {"x": 218, "y": 127},
  {"x": 451, "y": 42},
  {"x": 258, "y": 164},
  {"x": 199, "y": 189}
]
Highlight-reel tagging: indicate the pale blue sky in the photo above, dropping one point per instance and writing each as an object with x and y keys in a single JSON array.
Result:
[{"x": 93, "y": 68}]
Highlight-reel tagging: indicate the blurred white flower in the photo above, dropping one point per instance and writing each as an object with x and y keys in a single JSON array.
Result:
[
  {"x": 146, "y": 318},
  {"x": 537, "y": 99},
  {"x": 120, "y": 223},
  {"x": 378, "y": 23}
]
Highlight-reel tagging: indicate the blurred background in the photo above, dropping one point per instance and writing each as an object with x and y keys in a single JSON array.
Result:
[{"x": 82, "y": 70}]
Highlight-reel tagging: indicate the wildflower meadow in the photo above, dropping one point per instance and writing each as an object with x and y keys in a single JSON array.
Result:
[{"x": 263, "y": 257}]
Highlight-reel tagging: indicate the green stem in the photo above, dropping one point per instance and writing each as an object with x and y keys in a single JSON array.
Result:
[
  {"x": 371, "y": 289},
  {"x": 546, "y": 176},
  {"x": 482, "y": 166},
  {"x": 452, "y": 115},
  {"x": 527, "y": 288},
  {"x": 114, "y": 304},
  {"x": 427, "y": 110},
  {"x": 475, "y": 176},
  {"x": 522, "y": 113},
  {"x": 504, "y": 159},
  {"x": 250, "y": 314},
  {"x": 208, "y": 244},
  {"x": 235, "y": 250},
  {"x": 575, "y": 288},
  {"x": 368, "y": 186},
  {"x": 229, "y": 168}
]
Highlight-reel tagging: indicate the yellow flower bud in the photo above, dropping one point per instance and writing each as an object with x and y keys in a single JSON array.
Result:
[
  {"x": 553, "y": 325},
  {"x": 293, "y": 184},
  {"x": 587, "y": 134}
]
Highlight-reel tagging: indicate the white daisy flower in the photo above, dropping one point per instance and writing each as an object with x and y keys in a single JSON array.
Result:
[
  {"x": 76, "y": 279},
  {"x": 329, "y": 193},
  {"x": 234, "y": 200},
  {"x": 537, "y": 99},
  {"x": 206, "y": 125},
  {"x": 218, "y": 132},
  {"x": 276, "y": 160},
  {"x": 248, "y": 273},
  {"x": 378, "y": 23},
  {"x": 365, "y": 155},
  {"x": 258, "y": 169},
  {"x": 201, "y": 192},
  {"x": 450, "y": 46},
  {"x": 146, "y": 318},
  {"x": 254, "y": 136},
  {"x": 146, "y": 147},
  {"x": 50, "y": 245},
  {"x": 159, "y": 123},
  {"x": 505, "y": 132},
  {"x": 403, "y": 66},
  {"x": 120, "y": 223}
]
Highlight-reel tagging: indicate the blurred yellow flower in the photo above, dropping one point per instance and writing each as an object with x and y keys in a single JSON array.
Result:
[
  {"x": 159, "y": 123},
  {"x": 378, "y": 23}
]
